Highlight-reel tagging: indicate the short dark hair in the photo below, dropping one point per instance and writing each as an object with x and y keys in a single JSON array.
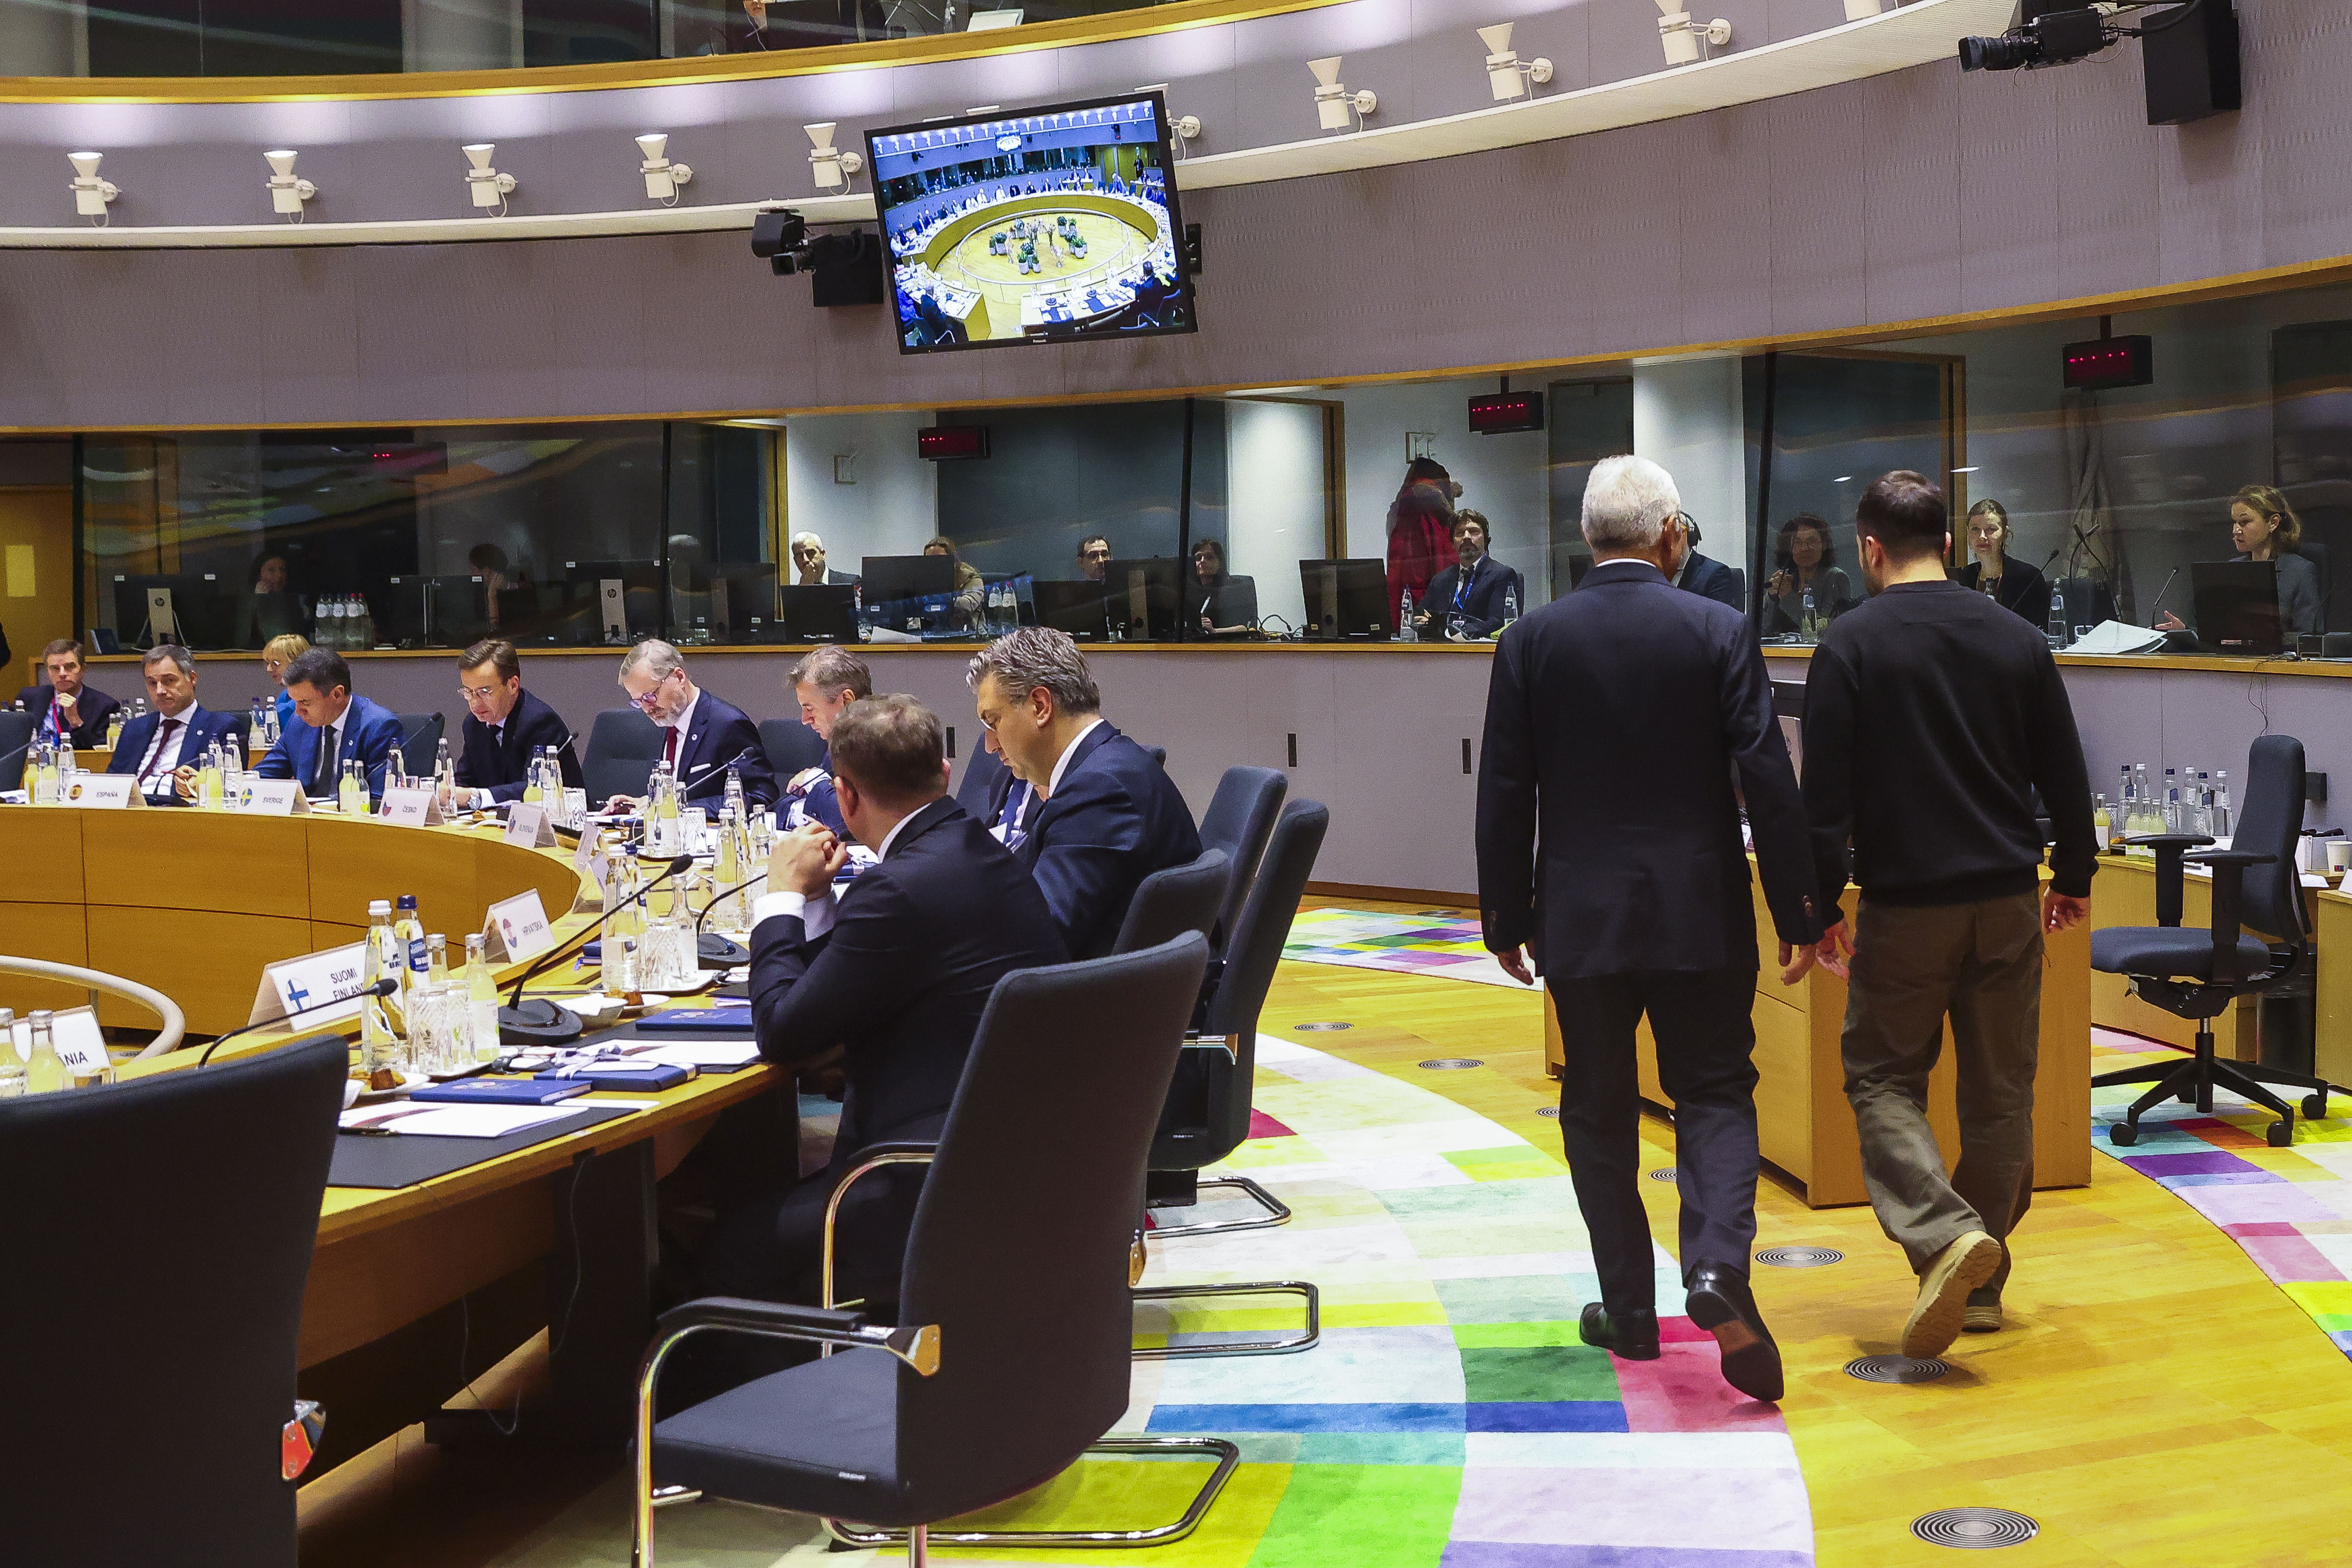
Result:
[
  {"x": 1904, "y": 513},
  {"x": 1090, "y": 538},
  {"x": 492, "y": 651},
  {"x": 1784, "y": 555},
  {"x": 892, "y": 748},
  {"x": 321, "y": 669},
  {"x": 833, "y": 668},
  {"x": 62, "y": 645}
]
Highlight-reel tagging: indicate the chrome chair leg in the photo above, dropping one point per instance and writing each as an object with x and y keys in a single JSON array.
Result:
[
  {"x": 1277, "y": 1211},
  {"x": 919, "y": 1542},
  {"x": 1228, "y": 1457},
  {"x": 1305, "y": 1339}
]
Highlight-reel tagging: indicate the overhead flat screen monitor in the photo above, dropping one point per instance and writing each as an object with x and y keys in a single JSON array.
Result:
[{"x": 1039, "y": 226}]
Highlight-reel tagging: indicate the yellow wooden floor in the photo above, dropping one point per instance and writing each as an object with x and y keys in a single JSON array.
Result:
[{"x": 2155, "y": 1401}]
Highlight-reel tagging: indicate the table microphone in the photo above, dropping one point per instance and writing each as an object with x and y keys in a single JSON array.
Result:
[
  {"x": 714, "y": 951},
  {"x": 540, "y": 1022},
  {"x": 715, "y": 770},
  {"x": 384, "y": 987}
]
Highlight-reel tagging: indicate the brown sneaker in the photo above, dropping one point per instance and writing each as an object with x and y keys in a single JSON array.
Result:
[
  {"x": 1944, "y": 1288},
  {"x": 1983, "y": 1314}
]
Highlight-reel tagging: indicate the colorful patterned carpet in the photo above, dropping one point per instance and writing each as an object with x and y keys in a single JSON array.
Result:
[
  {"x": 1449, "y": 1419},
  {"x": 1425, "y": 941},
  {"x": 2291, "y": 1209}
]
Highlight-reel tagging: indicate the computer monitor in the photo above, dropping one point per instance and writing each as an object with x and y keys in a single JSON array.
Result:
[
  {"x": 190, "y": 609},
  {"x": 826, "y": 613},
  {"x": 435, "y": 612},
  {"x": 1346, "y": 599},
  {"x": 1077, "y": 608},
  {"x": 623, "y": 598},
  {"x": 1143, "y": 598},
  {"x": 2238, "y": 607},
  {"x": 742, "y": 602},
  {"x": 891, "y": 578}
]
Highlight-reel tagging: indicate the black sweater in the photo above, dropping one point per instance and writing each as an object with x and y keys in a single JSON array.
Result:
[{"x": 1931, "y": 717}]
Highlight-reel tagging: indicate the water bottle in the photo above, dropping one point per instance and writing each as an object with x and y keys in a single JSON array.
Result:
[
  {"x": 45, "y": 1070},
  {"x": 139, "y": 707},
  {"x": 378, "y": 1044},
  {"x": 2222, "y": 827},
  {"x": 2057, "y": 616},
  {"x": 482, "y": 999},
  {"x": 1809, "y": 625},
  {"x": 395, "y": 769},
  {"x": 2171, "y": 801},
  {"x": 1406, "y": 632},
  {"x": 1510, "y": 603},
  {"x": 114, "y": 722},
  {"x": 12, "y": 1065}
]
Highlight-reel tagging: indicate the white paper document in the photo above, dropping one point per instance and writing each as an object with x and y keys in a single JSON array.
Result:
[
  {"x": 703, "y": 1053},
  {"x": 433, "y": 1120}
]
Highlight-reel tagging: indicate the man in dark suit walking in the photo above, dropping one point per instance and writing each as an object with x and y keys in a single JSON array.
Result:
[
  {"x": 504, "y": 729},
  {"x": 898, "y": 977},
  {"x": 161, "y": 748},
  {"x": 1616, "y": 719},
  {"x": 1102, "y": 814}
]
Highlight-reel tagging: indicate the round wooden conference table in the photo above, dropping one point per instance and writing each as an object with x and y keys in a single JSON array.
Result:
[{"x": 412, "y": 1290}]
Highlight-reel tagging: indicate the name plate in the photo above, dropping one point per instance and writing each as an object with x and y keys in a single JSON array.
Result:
[
  {"x": 528, "y": 828},
  {"x": 413, "y": 808},
  {"x": 334, "y": 974},
  {"x": 518, "y": 928},
  {"x": 74, "y": 1034},
  {"x": 271, "y": 797},
  {"x": 108, "y": 791}
]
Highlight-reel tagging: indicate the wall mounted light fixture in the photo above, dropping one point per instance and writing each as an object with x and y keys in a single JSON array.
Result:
[
  {"x": 662, "y": 177},
  {"x": 1332, "y": 98},
  {"x": 90, "y": 193},
  {"x": 829, "y": 168},
  {"x": 489, "y": 188},
  {"x": 286, "y": 194},
  {"x": 1682, "y": 37},
  {"x": 1505, "y": 74}
]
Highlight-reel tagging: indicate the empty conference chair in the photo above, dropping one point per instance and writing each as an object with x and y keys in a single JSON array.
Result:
[
  {"x": 15, "y": 741},
  {"x": 790, "y": 745},
  {"x": 1240, "y": 817},
  {"x": 2200, "y": 973},
  {"x": 1208, "y": 1115},
  {"x": 1011, "y": 1361},
  {"x": 420, "y": 735},
  {"x": 155, "y": 1312},
  {"x": 1170, "y": 903},
  {"x": 622, "y": 747}
]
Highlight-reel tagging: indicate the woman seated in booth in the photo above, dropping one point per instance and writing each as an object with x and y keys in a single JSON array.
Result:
[
  {"x": 276, "y": 655},
  {"x": 971, "y": 590},
  {"x": 1994, "y": 572},
  {"x": 2264, "y": 528},
  {"x": 1805, "y": 561},
  {"x": 1224, "y": 605}
]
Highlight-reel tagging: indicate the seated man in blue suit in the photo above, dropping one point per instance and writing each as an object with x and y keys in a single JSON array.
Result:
[
  {"x": 1103, "y": 815},
  {"x": 825, "y": 683},
  {"x": 330, "y": 727},
  {"x": 896, "y": 975},
  {"x": 62, "y": 708},
  {"x": 504, "y": 727},
  {"x": 1477, "y": 596},
  {"x": 703, "y": 736},
  {"x": 163, "y": 747}
]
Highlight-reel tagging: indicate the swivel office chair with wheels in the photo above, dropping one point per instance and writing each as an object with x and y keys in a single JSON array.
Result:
[{"x": 2198, "y": 975}]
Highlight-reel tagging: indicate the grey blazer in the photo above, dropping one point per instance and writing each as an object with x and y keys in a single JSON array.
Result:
[{"x": 2300, "y": 609}]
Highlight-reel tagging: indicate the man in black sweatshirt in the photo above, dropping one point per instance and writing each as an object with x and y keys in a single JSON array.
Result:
[{"x": 1932, "y": 715}]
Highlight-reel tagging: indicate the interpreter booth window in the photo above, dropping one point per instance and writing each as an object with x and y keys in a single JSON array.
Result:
[
  {"x": 558, "y": 535},
  {"x": 2203, "y": 490}
]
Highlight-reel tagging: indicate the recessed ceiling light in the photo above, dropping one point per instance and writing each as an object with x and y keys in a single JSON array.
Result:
[{"x": 1964, "y": 470}]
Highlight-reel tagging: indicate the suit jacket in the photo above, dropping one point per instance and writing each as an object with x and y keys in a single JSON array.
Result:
[
  {"x": 1232, "y": 603},
  {"x": 918, "y": 944},
  {"x": 370, "y": 732},
  {"x": 1711, "y": 579},
  {"x": 1115, "y": 820},
  {"x": 2023, "y": 590},
  {"x": 721, "y": 733},
  {"x": 1608, "y": 831},
  {"x": 822, "y": 802},
  {"x": 95, "y": 707},
  {"x": 1484, "y": 609},
  {"x": 497, "y": 762},
  {"x": 205, "y": 727}
]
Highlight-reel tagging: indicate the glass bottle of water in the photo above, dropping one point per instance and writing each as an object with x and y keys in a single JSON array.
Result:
[
  {"x": 379, "y": 1046},
  {"x": 12, "y": 1065},
  {"x": 44, "y": 1070},
  {"x": 1809, "y": 624},
  {"x": 2171, "y": 799},
  {"x": 481, "y": 999},
  {"x": 533, "y": 792},
  {"x": 408, "y": 941},
  {"x": 2057, "y": 616},
  {"x": 444, "y": 771},
  {"x": 45, "y": 772},
  {"x": 395, "y": 769},
  {"x": 114, "y": 722},
  {"x": 1406, "y": 631},
  {"x": 2222, "y": 825},
  {"x": 1510, "y": 602},
  {"x": 621, "y": 930}
]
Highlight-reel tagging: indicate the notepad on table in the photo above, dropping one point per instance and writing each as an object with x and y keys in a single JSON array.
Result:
[
  {"x": 711, "y": 1056},
  {"x": 452, "y": 1121},
  {"x": 497, "y": 1091}
]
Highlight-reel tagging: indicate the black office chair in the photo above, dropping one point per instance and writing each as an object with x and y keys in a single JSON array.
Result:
[
  {"x": 622, "y": 747},
  {"x": 1208, "y": 1114},
  {"x": 1011, "y": 1361},
  {"x": 1170, "y": 903},
  {"x": 791, "y": 746},
  {"x": 1240, "y": 817},
  {"x": 195, "y": 1196},
  {"x": 980, "y": 772},
  {"x": 420, "y": 736},
  {"x": 15, "y": 741},
  {"x": 2198, "y": 975}
]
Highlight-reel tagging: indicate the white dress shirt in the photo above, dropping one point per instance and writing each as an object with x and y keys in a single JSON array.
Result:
[
  {"x": 816, "y": 917},
  {"x": 1062, "y": 763},
  {"x": 163, "y": 754}
]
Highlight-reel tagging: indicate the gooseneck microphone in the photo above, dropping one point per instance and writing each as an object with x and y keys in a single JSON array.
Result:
[
  {"x": 542, "y": 1021},
  {"x": 384, "y": 987},
  {"x": 712, "y": 949}
]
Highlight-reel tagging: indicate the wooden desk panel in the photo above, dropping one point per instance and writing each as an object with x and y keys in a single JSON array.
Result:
[
  {"x": 354, "y": 862},
  {"x": 52, "y": 932},
  {"x": 2331, "y": 1008},
  {"x": 43, "y": 855},
  {"x": 217, "y": 862},
  {"x": 208, "y": 964}
]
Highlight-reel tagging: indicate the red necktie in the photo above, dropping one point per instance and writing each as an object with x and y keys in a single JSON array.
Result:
[
  {"x": 670, "y": 749},
  {"x": 162, "y": 744}
]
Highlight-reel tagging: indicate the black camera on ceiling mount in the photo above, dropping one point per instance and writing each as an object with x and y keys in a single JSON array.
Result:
[
  {"x": 2189, "y": 51},
  {"x": 843, "y": 268}
]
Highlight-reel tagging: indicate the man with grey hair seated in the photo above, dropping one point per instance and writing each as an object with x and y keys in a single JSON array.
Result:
[
  {"x": 1102, "y": 813},
  {"x": 163, "y": 747},
  {"x": 1615, "y": 721},
  {"x": 703, "y": 735},
  {"x": 808, "y": 563}
]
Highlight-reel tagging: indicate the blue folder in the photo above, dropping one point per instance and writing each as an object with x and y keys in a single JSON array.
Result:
[
  {"x": 625, "y": 1074},
  {"x": 501, "y": 1091},
  {"x": 697, "y": 1021}
]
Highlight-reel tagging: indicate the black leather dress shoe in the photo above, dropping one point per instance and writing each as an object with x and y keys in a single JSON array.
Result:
[
  {"x": 1721, "y": 1303},
  {"x": 1632, "y": 1334}
]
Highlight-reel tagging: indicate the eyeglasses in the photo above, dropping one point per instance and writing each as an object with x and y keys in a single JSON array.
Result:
[
  {"x": 652, "y": 696},
  {"x": 477, "y": 693}
]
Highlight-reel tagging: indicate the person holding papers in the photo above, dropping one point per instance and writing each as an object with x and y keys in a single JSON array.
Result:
[
  {"x": 332, "y": 725},
  {"x": 504, "y": 729},
  {"x": 898, "y": 977},
  {"x": 703, "y": 736},
  {"x": 160, "y": 748}
]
